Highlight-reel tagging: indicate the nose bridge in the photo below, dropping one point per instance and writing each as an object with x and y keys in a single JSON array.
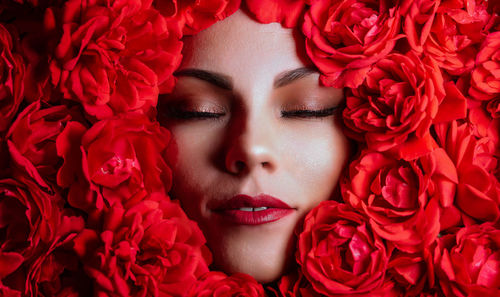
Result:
[{"x": 251, "y": 143}]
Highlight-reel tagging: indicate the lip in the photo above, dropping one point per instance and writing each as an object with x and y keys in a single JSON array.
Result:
[{"x": 230, "y": 210}]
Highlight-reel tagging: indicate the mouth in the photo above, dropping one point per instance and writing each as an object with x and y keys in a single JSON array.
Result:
[{"x": 248, "y": 210}]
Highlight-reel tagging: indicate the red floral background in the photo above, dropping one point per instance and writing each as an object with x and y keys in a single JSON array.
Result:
[{"x": 84, "y": 205}]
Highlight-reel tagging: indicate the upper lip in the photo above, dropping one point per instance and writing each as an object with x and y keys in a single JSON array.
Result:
[{"x": 261, "y": 200}]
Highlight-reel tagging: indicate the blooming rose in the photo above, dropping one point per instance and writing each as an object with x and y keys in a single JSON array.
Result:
[
  {"x": 285, "y": 12},
  {"x": 402, "y": 198},
  {"x": 468, "y": 265},
  {"x": 146, "y": 249},
  {"x": 485, "y": 78},
  {"x": 344, "y": 38},
  {"x": 32, "y": 140},
  {"x": 339, "y": 253},
  {"x": 112, "y": 160},
  {"x": 191, "y": 16},
  {"x": 414, "y": 272},
  {"x": 112, "y": 57},
  {"x": 396, "y": 104},
  {"x": 446, "y": 32},
  {"x": 29, "y": 227},
  {"x": 478, "y": 190},
  {"x": 11, "y": 79},
  {"x": 217, "y": 284}
]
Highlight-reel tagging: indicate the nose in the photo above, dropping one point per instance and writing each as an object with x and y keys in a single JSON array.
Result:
[{"x": 251, "y": 146}]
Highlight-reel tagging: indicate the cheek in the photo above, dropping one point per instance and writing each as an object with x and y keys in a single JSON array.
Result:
[{"x": 317, "y": 158}]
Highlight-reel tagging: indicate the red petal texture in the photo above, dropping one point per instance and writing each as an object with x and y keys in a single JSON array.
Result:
[
  {"x": 286, "y": 12},
  {"x": 402, "y": 199},
  {"x": 397, "y": 103},
  {"x": 11, "y": 80},
  {"x": 469, "y": 262},
  {"x": 217, "y": 284},
  {"x": 344, "y": 38},
  {"x": 339, "y": 253}
]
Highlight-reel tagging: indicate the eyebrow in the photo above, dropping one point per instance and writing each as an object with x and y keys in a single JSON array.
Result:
[{"x": 226, "y": 83}]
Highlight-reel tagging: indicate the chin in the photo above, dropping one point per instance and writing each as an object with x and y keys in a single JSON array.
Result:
[{"x": 265, "y": 253}]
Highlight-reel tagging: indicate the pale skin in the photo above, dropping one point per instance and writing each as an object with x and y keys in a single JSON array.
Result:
[{"x": 248, "y": 116}]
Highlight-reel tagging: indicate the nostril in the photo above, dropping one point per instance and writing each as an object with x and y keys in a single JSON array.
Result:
[
  {"x": 240, "y": 165},
  {"x": 266, "y": 165}
]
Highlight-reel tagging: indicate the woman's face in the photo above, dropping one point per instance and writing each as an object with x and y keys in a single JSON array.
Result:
[{"x": 248, "y": 117}]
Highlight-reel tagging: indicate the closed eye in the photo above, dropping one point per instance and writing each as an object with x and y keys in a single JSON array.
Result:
[{"x": 306, "y": 113}]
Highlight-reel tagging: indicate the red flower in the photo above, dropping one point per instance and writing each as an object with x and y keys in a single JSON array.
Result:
[
  {"x": 485, "y": 78},
  {"x": 217, "y": 284},
  {"x": 112, "y": 161},
  {"x": 403, "y": 199},
  {"x": 344, "y": 38},
  {"x": 149, "y": 249},
  {"x": 192, "y": 16},
  {"x": 113, "y": 57},
  {"x": 446, "y": 31},
  {"x": 32, "y": 137},
  {"x": 339, "y": 253},
  {"x": 478, "y": 190},
  {"x": 396, "y": 104},
  {"x": 32, "y": 225},
  {"x": 470, "y": 261},
  {"x": 11, "y": 79},
  {"x": 285, "y": 12},
  {"x": 294, "y": 285},
  {"x": 413, "y": 272}
]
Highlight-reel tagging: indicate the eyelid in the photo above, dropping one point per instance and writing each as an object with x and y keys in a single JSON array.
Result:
[{"x": 309, "y": 112}]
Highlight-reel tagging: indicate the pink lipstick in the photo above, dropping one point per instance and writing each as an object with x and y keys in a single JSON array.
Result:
[{"x": 248, "y": 210}]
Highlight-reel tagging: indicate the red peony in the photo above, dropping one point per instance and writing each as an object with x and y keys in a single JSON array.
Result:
[
  {"x": 217, "y": 284},
  {"x": 112, "y": 57},
  {"x": 11, "y": 79},
  {"x": 469, "y": 262},
  {"x": 478, "y": 190},
  {"x": 396, "y": 104},
  {"x": 447, "y": 31},
  {"x": 345, "y": 38},
  {"x": 286, "y": 12},
  {"x": 339, "y": 253},
  {"x": 402, "y": 199},
  {"x": 149, "y": 248},
  {"x": 112, "y": 161}
]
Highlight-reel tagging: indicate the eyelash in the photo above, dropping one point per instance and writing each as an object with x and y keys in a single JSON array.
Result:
[{"x": 301, "y": 113}]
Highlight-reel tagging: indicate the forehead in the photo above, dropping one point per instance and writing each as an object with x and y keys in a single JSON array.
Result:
[{"x": 238, "y": 43}]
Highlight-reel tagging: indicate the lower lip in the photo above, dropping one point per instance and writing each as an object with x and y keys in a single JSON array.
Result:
[{"x": 265, "y": 216}]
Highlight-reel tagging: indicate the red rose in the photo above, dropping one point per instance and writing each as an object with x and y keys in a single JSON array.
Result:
[
  {"x": 469, "y": 262},
  {"x": 485, "y": 78},
  {"x": 32, "y": 137},
  {"x": 285, "y": 12},
  {"x": 339, "y": 253},
  {"x": 217, "y": 284},
  {"x": 403, "y": 199},
  {"x": 413, "y": 272},
  {"x": 191, "y": 16},
  {"x": 344, "y": 38},
  {"x": 112, "y": 160},
  {"x": 149, "y": 249},
  {"x": 445, "y": 31},
  {"x": 397, "y": 103},
  {"x": 30, "y": 227},
  {"x": 11, "y": 79},
  {"x": 478, "y": 190},
  {"x": 112, "y": 57}
]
